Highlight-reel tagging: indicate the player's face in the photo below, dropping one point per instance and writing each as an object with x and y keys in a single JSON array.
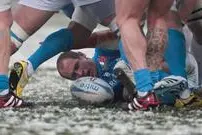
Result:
[{"x": 79, "y": 67}]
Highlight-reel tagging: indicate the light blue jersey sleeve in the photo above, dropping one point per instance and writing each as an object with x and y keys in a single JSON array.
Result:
[{"x": 105, "y": 61}]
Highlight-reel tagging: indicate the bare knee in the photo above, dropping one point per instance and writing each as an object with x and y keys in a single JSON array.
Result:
[
  {"x": 130, "y": 20},
  {"x": 126, "y": 13},
  {"x": 128, "y": 17},
  {"x": 159, "y": 7},
  {"x": 173, "y": 20}
]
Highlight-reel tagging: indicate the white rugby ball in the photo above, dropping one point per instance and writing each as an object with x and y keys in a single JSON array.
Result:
[{"x": 92, "y": 90}]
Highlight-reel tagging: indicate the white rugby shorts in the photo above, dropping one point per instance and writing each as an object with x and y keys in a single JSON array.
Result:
[
  {"x": 48, "y": 5},
  {"x": 84, "y": 2},
  {"x": 92, "y": 14},
  {"x": 5, "y": 5}
]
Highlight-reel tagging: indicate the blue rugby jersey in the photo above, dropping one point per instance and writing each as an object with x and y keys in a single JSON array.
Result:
[{"x": 105, "y": 61}]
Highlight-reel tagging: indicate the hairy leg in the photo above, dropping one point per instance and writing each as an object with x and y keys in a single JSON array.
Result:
[
  {"x": 157, "y": 39},
  {"x": 157, "y": 33}
]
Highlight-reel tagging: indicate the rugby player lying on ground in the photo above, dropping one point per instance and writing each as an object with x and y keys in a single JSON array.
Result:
[
  {"x": 72, "y": 65},
  {"x": 52, "y": 46},
  {"x": 79, "y": 62},
  {"x": 57, "y": 46}
]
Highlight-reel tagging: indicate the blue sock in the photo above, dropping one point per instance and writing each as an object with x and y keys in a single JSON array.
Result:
[
  {"x": 143, "y": 80},
  {"x": 59, "y": 41},
  {"x": 142, "y": 77},
  {"x": 4, "y": 85},
  {"x": 158, "y": 75},
  {"x": 123, "y": 56},
  {"x": 163, "y": 74},
  {"x": 175, "y": 53},
  {"x": 155, "y": 76}
]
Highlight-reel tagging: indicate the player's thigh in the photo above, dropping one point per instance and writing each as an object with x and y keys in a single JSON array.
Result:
[
  {"x": 4, "y": 5},
  {"x": 125, "y": 9},
  {"x": 48, "y": 5},
  {"x": 30, "y": 19}
]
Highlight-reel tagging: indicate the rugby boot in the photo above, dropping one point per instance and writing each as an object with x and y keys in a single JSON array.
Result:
[
  {"x": 18, "y": 77},
  {"x": 194, "y": 100},
  {"x": 170, "y": 88},
  {"x": 11, "y": 100},
  {"x": 187, "y": 101},
  {"x": 165, "y": 92},
  {"x": 170, "y": 81},
  {"x": 144, "y": 103}
]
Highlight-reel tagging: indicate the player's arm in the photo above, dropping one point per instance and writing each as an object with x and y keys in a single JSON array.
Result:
[
  {"x": 107, "y": 39},
  {"x": 101, "y": 39}
]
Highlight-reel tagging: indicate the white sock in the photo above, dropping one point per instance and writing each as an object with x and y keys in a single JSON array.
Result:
[
  {"x": 185, "y": 94},
  {"x": 142, "y": 94},
  {"x": 30, "y": 69},
  {"x": 4, "y": 92}
]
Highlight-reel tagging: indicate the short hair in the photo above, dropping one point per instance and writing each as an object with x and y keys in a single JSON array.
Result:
[
  {"x": 66, "y": 55},
  {"x": 70, "y": 54}
]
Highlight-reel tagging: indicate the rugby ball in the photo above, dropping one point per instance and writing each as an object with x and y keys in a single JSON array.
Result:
[{"x": 92, "y": 90}]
